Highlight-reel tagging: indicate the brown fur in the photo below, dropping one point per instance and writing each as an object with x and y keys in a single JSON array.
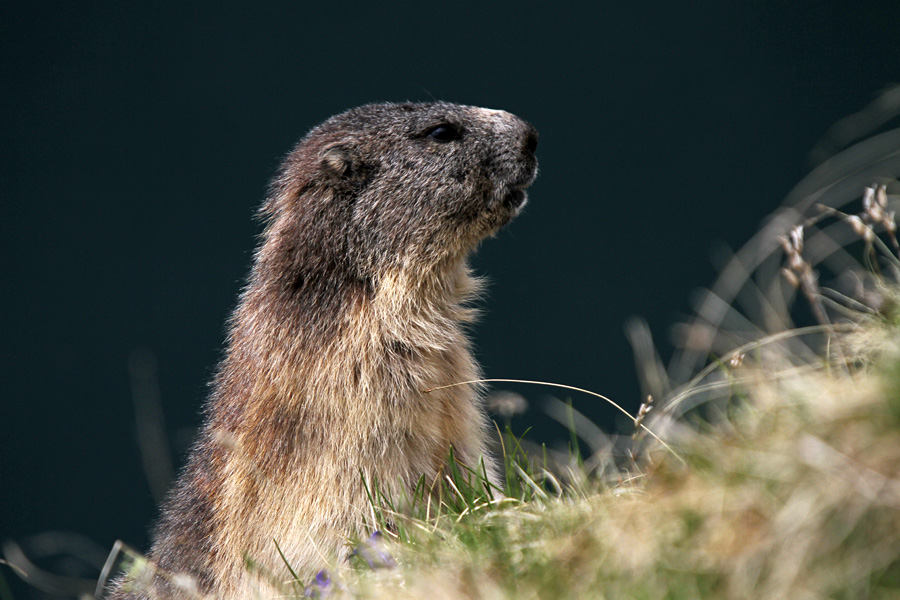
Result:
[{"x": 356, "y": 304}]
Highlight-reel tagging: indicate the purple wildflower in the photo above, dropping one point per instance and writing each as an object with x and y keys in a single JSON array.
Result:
[
  {"x": 374, "y": 553},
  {"x": 320, "y": 586}
]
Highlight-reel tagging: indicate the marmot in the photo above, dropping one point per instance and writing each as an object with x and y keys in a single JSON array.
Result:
[{"x": 355, "y": 305}]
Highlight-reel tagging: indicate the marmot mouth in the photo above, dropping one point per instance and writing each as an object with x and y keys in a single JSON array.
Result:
[{"x": 515, "y": 198}]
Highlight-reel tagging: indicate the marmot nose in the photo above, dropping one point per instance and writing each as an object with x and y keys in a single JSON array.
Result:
[{"x": 531, "y": 138}]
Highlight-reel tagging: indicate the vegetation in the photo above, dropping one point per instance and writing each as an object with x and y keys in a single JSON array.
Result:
[{"x": 793, "y": 493}]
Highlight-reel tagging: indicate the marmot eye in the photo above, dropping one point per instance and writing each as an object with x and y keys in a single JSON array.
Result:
[{"x": 444, "y": 133}]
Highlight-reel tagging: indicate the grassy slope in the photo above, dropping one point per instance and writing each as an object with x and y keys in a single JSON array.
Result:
[{"x": 794, "y": 495}]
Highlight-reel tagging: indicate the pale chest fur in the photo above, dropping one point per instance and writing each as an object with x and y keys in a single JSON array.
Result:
[{"x": 354, "y": 409}]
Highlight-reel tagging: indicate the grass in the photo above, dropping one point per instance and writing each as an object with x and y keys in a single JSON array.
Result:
[{"x": 792, "y": 494}]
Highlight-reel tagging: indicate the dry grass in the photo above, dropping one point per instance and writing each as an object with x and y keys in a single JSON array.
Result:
[{"x": 793, "y": 493}]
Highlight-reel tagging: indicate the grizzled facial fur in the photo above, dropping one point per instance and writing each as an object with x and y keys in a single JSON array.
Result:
[{"x": 400, "y": 186}]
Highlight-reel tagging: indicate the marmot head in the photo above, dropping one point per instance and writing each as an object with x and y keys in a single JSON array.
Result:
[{"x": 397, "y": 186}]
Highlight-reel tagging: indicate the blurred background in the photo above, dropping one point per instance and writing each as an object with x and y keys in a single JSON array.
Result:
[{"x": 138, "y": 141}]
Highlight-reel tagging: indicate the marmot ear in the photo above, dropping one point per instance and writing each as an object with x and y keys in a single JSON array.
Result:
[
  {"x": 340, "y": 163},
  {"x": 335, "y": 161}
]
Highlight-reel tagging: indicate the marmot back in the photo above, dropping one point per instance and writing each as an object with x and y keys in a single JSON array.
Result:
[{"x": 355, "y": 304}]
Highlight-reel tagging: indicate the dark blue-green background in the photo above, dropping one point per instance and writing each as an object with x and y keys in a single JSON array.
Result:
[{"x": 137, "y": 141}]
